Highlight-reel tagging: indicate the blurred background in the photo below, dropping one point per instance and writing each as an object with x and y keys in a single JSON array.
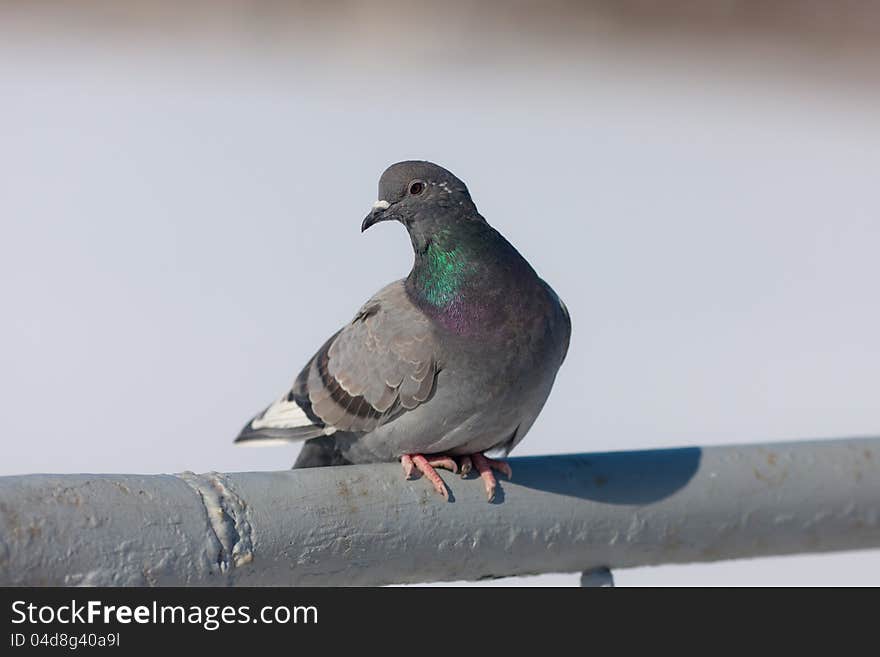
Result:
[{"x": 182, "y": 185}]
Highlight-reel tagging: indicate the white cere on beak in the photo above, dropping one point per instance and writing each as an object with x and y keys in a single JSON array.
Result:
[{"x": 381, "y": 205}]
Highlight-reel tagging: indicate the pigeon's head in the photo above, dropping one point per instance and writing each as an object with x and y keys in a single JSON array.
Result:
[{"x": 416, "y": 193}]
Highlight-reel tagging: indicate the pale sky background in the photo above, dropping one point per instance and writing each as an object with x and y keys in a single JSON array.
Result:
[{"x": 180, "y": 222}]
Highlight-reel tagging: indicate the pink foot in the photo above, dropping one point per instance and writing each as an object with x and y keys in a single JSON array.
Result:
[
  {"x": 445, "y": 462},
  {"x": 420, "y": 463},
  {"x": 484, "y": 466}
]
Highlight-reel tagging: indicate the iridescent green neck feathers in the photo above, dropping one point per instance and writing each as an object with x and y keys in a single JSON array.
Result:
[{"x": 441, "y": 273}]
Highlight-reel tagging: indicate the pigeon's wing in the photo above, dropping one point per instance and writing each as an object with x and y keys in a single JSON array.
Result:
[{"x": 379, "y": 366}]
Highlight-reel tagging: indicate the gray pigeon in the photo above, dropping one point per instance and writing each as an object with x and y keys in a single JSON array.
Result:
[{"x": 455, "y": 360}]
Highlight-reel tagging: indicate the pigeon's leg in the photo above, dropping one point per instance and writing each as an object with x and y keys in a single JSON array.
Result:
[
  {"x": 484, "y": 466},
  {"x": 420, "y": 463}
]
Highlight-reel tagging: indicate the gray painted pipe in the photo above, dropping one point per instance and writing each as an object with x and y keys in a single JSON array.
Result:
[{"x": 364, "y": 525}]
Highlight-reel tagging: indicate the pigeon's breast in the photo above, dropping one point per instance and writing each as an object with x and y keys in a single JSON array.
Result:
[{"x": 489, "y": 388}]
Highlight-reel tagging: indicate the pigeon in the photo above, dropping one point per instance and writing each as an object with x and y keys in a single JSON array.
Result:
[{"x": 453, "y": 361}]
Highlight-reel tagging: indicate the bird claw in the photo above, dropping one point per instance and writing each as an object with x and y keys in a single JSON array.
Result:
[
  {"x": 407, "y": 463},
  {"x": 502, "y": 466},
  {"x": 445, "y": 462},
  {"x": 483, "y": 465},
  {"x": 420, "y": 463}
]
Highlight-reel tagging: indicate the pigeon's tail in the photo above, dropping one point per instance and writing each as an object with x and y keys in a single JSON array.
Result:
[
  {"x": 318, "y": 452},
  {"x": 284, "y": 421},
  {"x": 289, "y": 419}
]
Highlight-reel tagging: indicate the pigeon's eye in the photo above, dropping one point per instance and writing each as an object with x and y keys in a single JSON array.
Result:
[{"x": 416, "y": 187}]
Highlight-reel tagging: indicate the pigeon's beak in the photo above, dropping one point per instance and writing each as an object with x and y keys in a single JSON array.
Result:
[{"x": 376, "y": 215}]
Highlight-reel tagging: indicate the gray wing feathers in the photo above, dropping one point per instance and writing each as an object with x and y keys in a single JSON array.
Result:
[
  {"x": 380, "y": 365},
  {"x": 384, "y": 360}
]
